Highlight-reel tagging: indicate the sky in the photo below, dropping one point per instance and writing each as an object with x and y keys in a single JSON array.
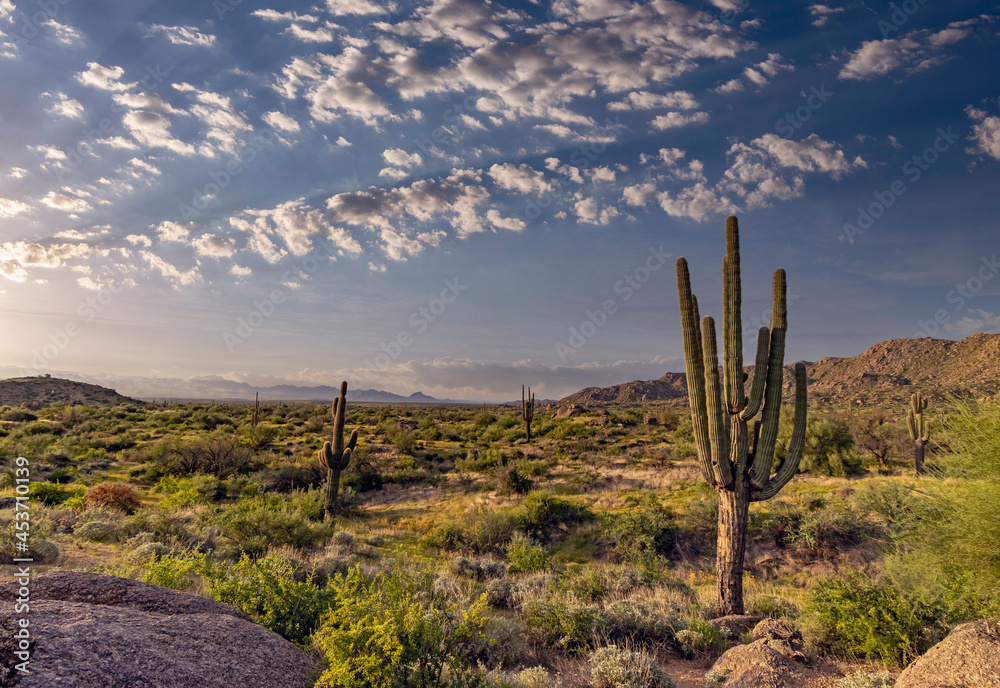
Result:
[{"x": 461, "y": 197}]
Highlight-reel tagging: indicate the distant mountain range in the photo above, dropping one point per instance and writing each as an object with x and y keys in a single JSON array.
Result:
[{"x": 886, "y": 374}]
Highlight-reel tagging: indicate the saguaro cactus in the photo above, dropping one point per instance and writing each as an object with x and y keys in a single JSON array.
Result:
[
  {"x": 920, "y": 429},
  {"x": 739, "y": 466},
  {"x": 336, "y": 457},
  {"x": 527, "y": 410}
]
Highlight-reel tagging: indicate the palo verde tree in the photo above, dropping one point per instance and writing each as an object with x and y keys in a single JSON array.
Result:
[
  {"x": 336, "y": 457},
  {"x": 739, "y": 466},
  {"x": 527, "y": 410},
  {"x": 920, "y": 429}
]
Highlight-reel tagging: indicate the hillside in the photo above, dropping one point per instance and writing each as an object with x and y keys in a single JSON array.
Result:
[
  {"x": 46, "y": 391},
  {"x": 887, "y": 373}
]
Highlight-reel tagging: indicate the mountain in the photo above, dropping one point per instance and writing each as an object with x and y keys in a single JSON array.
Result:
[
  {"x": 887, "y": 373},
  {"x": 46, "y": 391}
]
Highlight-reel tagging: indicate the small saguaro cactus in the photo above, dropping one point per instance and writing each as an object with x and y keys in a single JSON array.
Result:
[
  {"x": 527, "y": 410},
  {"x": 920, "y": 429},
  {"x": 737, "y": 465},
  {"x": 336, "y": 457},
  {"x": 255, "y": 418}
]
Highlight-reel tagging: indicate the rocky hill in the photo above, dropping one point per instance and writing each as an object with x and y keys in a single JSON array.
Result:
[
  {"x": 45, "y": 391},
  {"x": 886, "y": 374}
]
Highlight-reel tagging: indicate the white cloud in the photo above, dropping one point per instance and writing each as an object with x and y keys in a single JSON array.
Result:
[
  {"x": 65, "y": 202},
  {"x": 770, "y": 67},
  {"x": 279, "y": 120},
  {"x": 214, "y": 246},
  {"x": 104, "y": 78},
  {"x": 296, "y": 223},
  {"x": 985, "y": 133},
  {"x": 17, "y": 256},
  {"x": 321, "y": 34},
  {"x": 730, "y": 86},
  {"x": 184, "y": 35},
  {"x": 672, "y": 120},
  {"x": 64, "y": 34},
  {"x": 822, "y": 13},
  {"x": 811, "y": 154},
  {"x": 644, "y": 100},
  {"x": 171, "y": 231},
  {"x": 240, "y": 271},
  {"x": 914, "y": 51},
  {"x": 358, "y": 7},
  {"x": 153, "y": 129},
  {"x": 397, "y": 157},
  {"x": 515, "y": 224},
  {"x": 521, "y": 178},
  {"x": 139, "y": 240},
  {"x": 274, "y": 15},
  {"x": 177, "y": 277},
  {"x": 341, "y": 141},
  {"x": 67, "y": 107},
  {"x": 146, "y": 101},
  {"x": 16, "y": 172},
  {"x": 10, "y": 207},
  {"x": 588, "y": 212},
  {"x": 218, "y": 113}
]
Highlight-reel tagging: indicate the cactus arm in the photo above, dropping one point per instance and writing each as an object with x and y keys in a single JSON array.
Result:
[
  {"x": 722, "y": 468},
  {"x": 732, "y": 325},
  {"x": 764, "y": 451},
  {"x": 759, "y": 374},
  {"x": 695, "y": 369},
  {"x": 911, "y": 425},
  {"x": 790, "y": 464},
  {"x": 326, "y": 456}
]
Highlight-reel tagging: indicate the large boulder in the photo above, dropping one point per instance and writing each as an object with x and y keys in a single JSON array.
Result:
[
  {"x": 968, "y": 658},
  {"x": 94, "y": 631},
  {"x": 752, "y": 666},
  {"x": 735, "y": 625}
]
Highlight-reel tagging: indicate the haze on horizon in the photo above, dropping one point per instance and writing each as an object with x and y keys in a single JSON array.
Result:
[{"x": 441, "y": 195}]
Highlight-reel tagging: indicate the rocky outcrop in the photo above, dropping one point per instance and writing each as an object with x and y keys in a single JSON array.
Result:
[
  {"x": 95, "y": 631},
  {"x": 752, "y": 666},
  {"x": 968, "y": 658}
]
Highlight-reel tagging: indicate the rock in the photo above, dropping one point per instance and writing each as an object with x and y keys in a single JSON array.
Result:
[
  {"x": 652, "y": 420},
  {"x": 770, "y": 629},
  {"x": 735, "y": 625},
  {"x": 95, "y": 631},
  {"x": 781, "y": 637},
  {"x": 570, "y": 411},
  {"x": 753, "y": 666},
  {"x": 7, "y": 502},
  {"x": 967, "y": 658}
]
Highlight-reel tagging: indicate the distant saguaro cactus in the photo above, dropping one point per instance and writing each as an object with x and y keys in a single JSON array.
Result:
[
  {"x": 527, "y": 410},
  {"x": 920, "y": 429},
  {"x": 738, "y": 468},
  {"x": 336, "y": 457}
]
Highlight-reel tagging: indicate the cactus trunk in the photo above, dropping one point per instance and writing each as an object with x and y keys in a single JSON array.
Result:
[
  {"x": 741, "y": 471},
  {"x": 527, "y": 410},
  {"x": 336, "y": 457},
  {"x": 920, "y": 429}
]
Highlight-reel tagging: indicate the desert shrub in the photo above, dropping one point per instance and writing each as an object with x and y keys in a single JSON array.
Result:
[
  {"x": 18, "y": 416},
  {"x": 267, "y": 590},
  {"x": 364, "y": 479},
  {"x": 404, "y": 441},
  {"x": 541, "y": 512},
  {"x": 98, "y": 531},
  {"x": 502, "y": 593},
  {"x": 641, "y": 621},
  {"x": 864, "y": 679},
  {"x": 50, "y": 494},
  {"x": 829, "y": 446},
  {"x": 643, "y": 533},
  {"x": 260, "y": 437},
  {"x": 615, "y": 667},
  {"x": 535, "y": 468},
  {"x": 220, "y": 455},
  {"x": 857, "y": 615},
  {"x": 702, "y": 636},
  {"x": 148, "y": 551},
  {"x": 524, "y": 555},
  {"x": 510, "y": 480},
  {"x": 493, "y": 457},
  {"x": 478, "y": 531},
  {"x": 114, "y": 496},
  {"x": 257, "y": 523},
  {"x": 389, "y": 632},
  {"x": 565, "y": 623}
]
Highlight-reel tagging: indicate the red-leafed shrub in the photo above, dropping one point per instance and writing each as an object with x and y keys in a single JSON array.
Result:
[{"x": 112, "y": 496}]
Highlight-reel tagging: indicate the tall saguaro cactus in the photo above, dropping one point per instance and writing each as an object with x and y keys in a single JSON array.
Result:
[
  {"x": 920, "y": 429},
  {"x": 738, "y": 465},
  {"x": 336, "y": 457},
  {"x": 527, "y": 410}
]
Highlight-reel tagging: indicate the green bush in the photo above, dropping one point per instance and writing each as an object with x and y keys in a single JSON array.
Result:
[
  {"x": 859, "y": 616},
  {"x": 510, "y": 480},
  {"x": 567, "y": 624},
  {"x": 257, "y": 523},
  {"x": 643, "y": 533},
  {"x": 267, "y": 590},
  {"x": 541, "y": 512},
  {"x": 829, "y": 446},
  {"x": 391, "y": 632},
  {"x": 50, "y": 494},
  {"x": 524, "y": 555}
]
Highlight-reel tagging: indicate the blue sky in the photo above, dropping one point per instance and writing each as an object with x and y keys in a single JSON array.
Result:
[{"x": 462, "y": 197}]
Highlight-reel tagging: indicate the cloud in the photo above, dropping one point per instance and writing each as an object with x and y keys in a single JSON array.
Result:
[
  {"x": 240, "y": 271},
  {"x": 985, "y": 133},
  {"x": 104, "y": 78},
  {"x": 281, "y": 121},
  {"x": 321, "y": 34},
  {"x": 915, "y": 51},
  {"x": 17, "y": 256},
  {"x": 62, "y": 33},
  {"x": 67, "y": 107},
  {"x": 588, "y": 212},
  {"x": 139, "y": 240},
  {"x": 153, "y": 129},
  {"x": 515, "y": 224},
  {"x": 822, "y": 13},
  {"x": 218, "y": 113},
  {"x": 521, "y": 178},
  {"x": 296, "y": 223},
  {"x": 10, "y": 207},
  {"x": 672, "y": 120},
  {"x": 644, "y": 100},
  {"x": 184, "y": 35},
  {"x": 469, "y": 23},
  {"x": 214, "y": 246},
  {"x": 770, "y": 67},
  {"x": 178, "y": 277},
  {"x": 275, "y": 15},
  {"x": 171, "y": 231},
  {"x": 146, "y": 101},
  {"x": 66, "y": 202},
  {"x": 811, "y": 154},
  {"x": 358, "y": 7},
  {"x": 397, "y": 157}
]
